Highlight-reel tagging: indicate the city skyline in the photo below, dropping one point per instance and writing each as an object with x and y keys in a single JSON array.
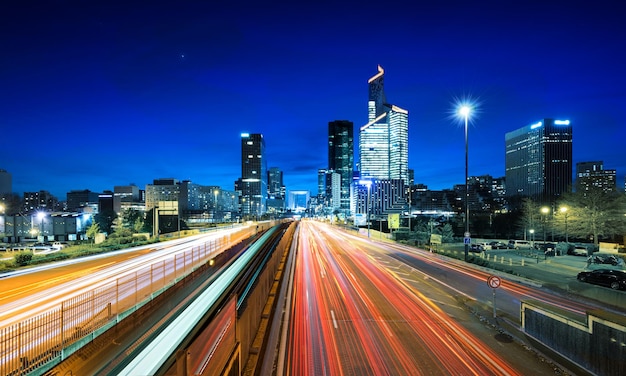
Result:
[{"x": 94, "y": 98}]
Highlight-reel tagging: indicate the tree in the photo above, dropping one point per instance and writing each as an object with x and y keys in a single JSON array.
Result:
[
  {"x": 530, "y": 216},
  {"x": 594, "y": 213},
  {"x": 105, "y": 220},
  {"x": 93, "y": 230},
  {"x": 132, "y": 219}
]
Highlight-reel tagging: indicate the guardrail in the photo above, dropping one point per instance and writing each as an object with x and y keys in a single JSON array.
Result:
[{"x": 54, "y": 335}]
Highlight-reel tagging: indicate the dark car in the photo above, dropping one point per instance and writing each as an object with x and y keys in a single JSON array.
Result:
[
  {"x": 498, "y": 245},
  {"x": 477, "y": 248},
  {"x": 615, "y": 279}
]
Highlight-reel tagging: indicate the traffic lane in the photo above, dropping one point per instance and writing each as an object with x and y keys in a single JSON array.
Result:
[
  {"x": 455, "y": 303},
  {"x": 396, "y": 330}
]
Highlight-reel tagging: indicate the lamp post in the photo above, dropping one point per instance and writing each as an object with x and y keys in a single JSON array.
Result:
[
  {"x": 464, "y": 111},
  {"x": 563, "y": 210},
  {"x": 532, "y": 237},
  {"x": 544, "y": 210},
  {"x": 215, "y": 192}
]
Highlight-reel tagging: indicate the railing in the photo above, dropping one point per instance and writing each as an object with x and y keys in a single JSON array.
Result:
[{"x": 56, "y": 334}]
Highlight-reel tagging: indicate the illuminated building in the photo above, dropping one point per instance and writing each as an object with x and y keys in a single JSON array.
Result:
[
  {"x": 591, "y": 175},
  {"x": 341, "y": 159},
  {"x": 383, "y": 141},
  {"x": 538, "y": 160},
  {"x": 253, "y": 174}
]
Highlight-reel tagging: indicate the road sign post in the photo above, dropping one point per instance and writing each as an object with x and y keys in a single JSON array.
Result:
[{"x": 494, "y": 282}]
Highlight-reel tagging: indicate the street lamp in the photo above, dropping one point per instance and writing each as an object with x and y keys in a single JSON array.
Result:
[
  {"x": 563, "y": 210},
  {"x": 532, "y": 237},
  {"x": 464, "y": 111},
  {"x": 215, "y": 192},
  {"x": 544, "y": 210}
]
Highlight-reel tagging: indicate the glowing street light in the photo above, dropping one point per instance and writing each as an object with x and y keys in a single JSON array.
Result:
[{"x": 463, "y": 112}]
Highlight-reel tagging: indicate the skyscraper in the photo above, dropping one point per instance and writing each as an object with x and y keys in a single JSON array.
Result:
[
  {"x": 341, "y": 157},
  {"x": 538, "y": 160},
  {"x": 253, "y": 174},
  {"x": 384, "y": 140}
]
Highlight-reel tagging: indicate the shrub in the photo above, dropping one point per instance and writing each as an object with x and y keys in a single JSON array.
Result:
[{"x": 23, "y": 258}]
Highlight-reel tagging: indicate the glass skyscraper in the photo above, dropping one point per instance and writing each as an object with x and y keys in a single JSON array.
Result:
[
  {"x": 384, "y": 140},
  {"x": 538, "y": 160},
  {"x": 253, "y": 174},
  {"x": 341, "y": 158}
]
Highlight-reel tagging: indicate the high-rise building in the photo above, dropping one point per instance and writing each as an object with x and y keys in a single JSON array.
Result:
[
  {"x": 538, "y": 160},
  {"x": 253, "y": 174},
  {"x": 592, "y": 174},
  {"x": 275, "y": 186},
  {"x": 341, "y": 157},
  {"x": 384, "y": 140}
]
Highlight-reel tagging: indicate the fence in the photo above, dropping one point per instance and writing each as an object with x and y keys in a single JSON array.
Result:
[{"x": 56, "y": 334}]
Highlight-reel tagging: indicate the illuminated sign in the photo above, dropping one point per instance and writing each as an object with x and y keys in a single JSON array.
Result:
[
  {"x": 536, "y": 125},
  {"x": 561, "y": 122},
  {"x": 245, "y": 135}
]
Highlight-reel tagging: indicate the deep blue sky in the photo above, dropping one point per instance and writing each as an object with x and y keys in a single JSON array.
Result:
[{"x": 95, "y": 94}]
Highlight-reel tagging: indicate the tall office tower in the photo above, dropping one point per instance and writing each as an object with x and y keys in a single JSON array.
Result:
[
  {"x": 275, "y": 186},
  {"x": 321, "y": 185},
  {"x": 384, "y": 140},
  {"x": 253, "y": 174},
  {"x": 6, "y": 182},
  {"x": 77, "y": 199},
  {"x": 593, "y": 174},
  {"x": 538, "y": 161},
  {"x": 341, "y": 157}
]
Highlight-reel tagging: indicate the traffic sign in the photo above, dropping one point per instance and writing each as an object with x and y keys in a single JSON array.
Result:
[
  {"x": 467, "y": 240},
  {"x": 466, "y": 234},
  {"x": 494, "y": 281}
]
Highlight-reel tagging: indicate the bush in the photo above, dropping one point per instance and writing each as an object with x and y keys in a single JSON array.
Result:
[{"x": 23, "y": 258}]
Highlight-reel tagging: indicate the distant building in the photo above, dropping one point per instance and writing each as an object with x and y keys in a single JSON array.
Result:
[
  {"x": 298, "y": 201},
  {"x": 538, "y": 160},
  {"x": 126, "y": 197},
  {"x": 253, "y": 174},
  {"x": 341, "y": 158},
  {"x": 42, "y": 200},
  {"x": 593, "y": 175},
  {"x": 80, "y": 198},
  {"x": 275, "y": 191}
]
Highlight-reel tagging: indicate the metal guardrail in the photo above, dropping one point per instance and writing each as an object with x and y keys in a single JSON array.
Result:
[{"x": 57, "y": 333}]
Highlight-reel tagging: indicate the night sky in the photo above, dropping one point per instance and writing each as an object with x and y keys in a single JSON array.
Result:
[{"x": 95, "y": 94}]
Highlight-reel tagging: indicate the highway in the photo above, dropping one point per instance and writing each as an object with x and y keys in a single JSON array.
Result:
[{"x": 364, "y": 308}]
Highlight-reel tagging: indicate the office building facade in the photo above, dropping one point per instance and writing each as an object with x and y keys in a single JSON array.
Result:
[
  {"x": 538, "y": 160},
  {"x": 592, "y": 175},
  {"x": 253, "y": 184},
  {"x": 384, "y": 140},
  {"x": 341, "y": 158}
]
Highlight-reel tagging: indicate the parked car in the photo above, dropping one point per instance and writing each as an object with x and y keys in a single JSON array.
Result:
[
  {"x": 498, "y": 245},
  {"x": 476, "y": 248},
  {"x": 579, "y": 250},
  {"x": 615, "y": 279},
  {"x": 519, "y": 244}
]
